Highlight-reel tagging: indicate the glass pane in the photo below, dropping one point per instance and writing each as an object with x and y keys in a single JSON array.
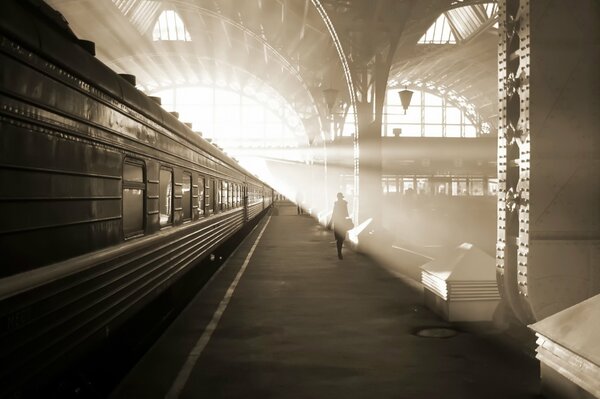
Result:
[
  {"x": 423, "y": 186},
  {"x": 442, "y": 188},
  {"x": 408, "y": 186},
  {"x": 166, "y": 197},
  {"x": 390, "y": 183},
  {"x": 413, "y": 114},
  {"x": 218, "y": 195},
  {"x": 459, "y": 187},
  {"x": 453, "y": 130},
  {"x": 453, "y": 115},
  {"x": 186, "y": 196},
  {"x": 227, "y": 114},
  {"x": 476, "y": 187},
  {"x": 433, "y": 130},
  {"x": 393, "y": 119},
  {"x": 253, "y": 114},
  {"x": 133, "y": 211},
  {"x": 470, "y": 131},
  {"x": 226, "y": 97},
  {"x": 492, "y": 188},
  {"x": 201, "y": 183},
  {"x": 224, "y": 195},
  {"x": 415, "y": 100},
  {"x": 273, "y": 130},
  {"x": 433, "y": 114},
  {"x": 133, "y": 173},
  {"x": 210, "y": 196},
  {"x": 230, "y": 196},
  {"x": 431, "y": 99}
]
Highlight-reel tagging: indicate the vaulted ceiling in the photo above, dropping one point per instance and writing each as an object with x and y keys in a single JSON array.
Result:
[{"x": 286, "y": 46}]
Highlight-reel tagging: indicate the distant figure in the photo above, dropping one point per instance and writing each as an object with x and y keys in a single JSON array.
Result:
[
  {"x": 299, "y": 200},
  {"x": 341, "y": 222}
]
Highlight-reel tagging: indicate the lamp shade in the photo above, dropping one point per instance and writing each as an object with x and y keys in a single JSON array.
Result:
[{"x": 405, "y": 96}]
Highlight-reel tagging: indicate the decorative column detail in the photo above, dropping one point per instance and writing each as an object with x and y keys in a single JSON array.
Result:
[
  {"x": 548, "y": 247},
  {"x": 514, "y": 156}
]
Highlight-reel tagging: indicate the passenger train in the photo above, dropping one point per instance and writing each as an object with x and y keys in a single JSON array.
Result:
[{"x": 105, "y": 198}]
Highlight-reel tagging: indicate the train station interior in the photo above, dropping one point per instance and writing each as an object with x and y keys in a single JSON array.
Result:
[{"x": 300, "y": 199}]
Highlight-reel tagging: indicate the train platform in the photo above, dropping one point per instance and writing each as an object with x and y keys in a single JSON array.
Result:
[{"x": 285, "y": 318}]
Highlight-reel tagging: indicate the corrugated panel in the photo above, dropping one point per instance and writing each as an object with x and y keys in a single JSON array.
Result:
[
  {"x": 435, "y": 285},
  {"x": 141, "y": 13},
  {"x": 466, "y": 20}
]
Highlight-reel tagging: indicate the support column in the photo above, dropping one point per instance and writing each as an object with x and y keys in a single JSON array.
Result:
[
  {"x": 548, "y": 248},
  {"x": 369, "y": 142},
  {"x": 371, "y": 82}
]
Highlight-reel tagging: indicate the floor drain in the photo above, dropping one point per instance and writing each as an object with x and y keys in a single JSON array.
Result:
[{"x": 437, "y": 332}]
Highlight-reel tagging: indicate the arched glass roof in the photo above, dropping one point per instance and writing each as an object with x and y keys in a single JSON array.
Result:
[{"x": 170, "y": 26}]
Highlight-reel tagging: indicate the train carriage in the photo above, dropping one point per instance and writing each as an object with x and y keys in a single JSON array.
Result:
[{"x": 105, "y": 198}]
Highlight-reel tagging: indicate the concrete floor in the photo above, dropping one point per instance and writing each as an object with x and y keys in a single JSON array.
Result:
[{"x": 303, "y": 324}]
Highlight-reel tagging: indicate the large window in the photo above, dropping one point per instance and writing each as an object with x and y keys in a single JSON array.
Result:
[
  {"x": 218, "y": 195},
  {"x": 224, "y": 194},
  {"x": 235, "y": 119},
  {"x": 201, "y": 198},
  {"x": 169, "y": 26},
  {"x": 428, "y": 115},
  {"x": 210, "y": 204},
  {"x": 133, "y": 198},
  {"x": 166, "y": 197}
]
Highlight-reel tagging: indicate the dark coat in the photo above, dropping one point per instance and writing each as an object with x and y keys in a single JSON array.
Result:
[{"x": 339, "y": 219}]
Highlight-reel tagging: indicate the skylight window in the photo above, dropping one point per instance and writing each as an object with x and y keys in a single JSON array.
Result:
[
  {"x": 141, "y": 13},
  {"x": 170, "y": 27},
  {"x": 491, "y": 9},
  {"x": 460, "y": 23},
  {"x": 439, "y": 32}
]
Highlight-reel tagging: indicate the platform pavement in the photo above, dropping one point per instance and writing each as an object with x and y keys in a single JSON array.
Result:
[{"x": 303, "y": 324}]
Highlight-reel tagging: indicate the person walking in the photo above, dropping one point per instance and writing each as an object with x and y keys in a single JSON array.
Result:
[
  {"x": 299, "y": 201},
  {"x": 341, "y": 222}
]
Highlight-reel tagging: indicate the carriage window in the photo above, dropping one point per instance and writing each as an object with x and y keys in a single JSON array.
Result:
[
  {"x": 166, "y": 197},
  {"x": 229, "y": 195},
  {"x": 186, "y": 196},
  {"x": 210, "y": 196},
  {"x": 216, "y": 196},
  {"x": 133, "y": 199},
  {"x": 224, "y": 189},
  {"x": 201, "y": 202}
]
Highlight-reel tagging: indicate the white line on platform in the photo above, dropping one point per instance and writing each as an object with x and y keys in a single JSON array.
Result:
[{"x": 196, "y": 351}]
